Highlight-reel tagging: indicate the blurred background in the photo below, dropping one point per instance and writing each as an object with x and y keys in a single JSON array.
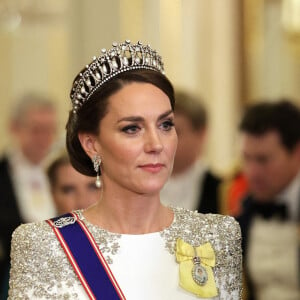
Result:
[{"x": 231, "y": 53}]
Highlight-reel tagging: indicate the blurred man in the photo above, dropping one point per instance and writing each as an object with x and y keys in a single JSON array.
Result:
[
  {"x": 270, "y": 214},
  {"x": 70, "y": 189},
  {"x": 24, "y": 190},
  {"x": 191, "y": 185}
]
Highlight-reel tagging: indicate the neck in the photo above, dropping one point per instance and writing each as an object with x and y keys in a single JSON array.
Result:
[{"x": 130, "y": 213}]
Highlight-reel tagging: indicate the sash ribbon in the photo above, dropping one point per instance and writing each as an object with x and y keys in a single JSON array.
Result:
[{"x": 86, "y": 258}]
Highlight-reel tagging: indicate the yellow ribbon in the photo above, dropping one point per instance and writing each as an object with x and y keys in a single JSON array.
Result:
[{"x": 184, "y": 256}]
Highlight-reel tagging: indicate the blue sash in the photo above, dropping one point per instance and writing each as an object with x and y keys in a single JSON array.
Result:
[{"x": 86, "y": 258}]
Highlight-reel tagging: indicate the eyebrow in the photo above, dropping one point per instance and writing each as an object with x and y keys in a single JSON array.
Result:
[{"x": 140, "y": 119}]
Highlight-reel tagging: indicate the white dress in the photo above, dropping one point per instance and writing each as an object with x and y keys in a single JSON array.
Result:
[{"x": 144, "y": 265}]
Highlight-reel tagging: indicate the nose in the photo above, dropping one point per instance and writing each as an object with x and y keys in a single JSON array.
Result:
[
  {"x": 153, "y": 142},
  {"x": 252, "y": 169}
]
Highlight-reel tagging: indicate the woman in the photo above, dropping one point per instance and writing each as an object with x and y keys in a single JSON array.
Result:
[
  {"x": 70, "y": 189},
  {"x": 121, "y": 126}
]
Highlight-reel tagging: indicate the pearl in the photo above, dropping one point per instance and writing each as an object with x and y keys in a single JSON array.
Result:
[{"x": 98, "y": 182}]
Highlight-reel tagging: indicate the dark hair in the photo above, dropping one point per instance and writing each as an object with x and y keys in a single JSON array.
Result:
[
  {"x": 89, "y": 116},
  {"x": 192, "y": 108},
  {"x": 281, "y": 116}
]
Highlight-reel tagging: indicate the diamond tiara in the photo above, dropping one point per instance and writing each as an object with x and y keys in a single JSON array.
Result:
[{"x": 120, "y": 58}]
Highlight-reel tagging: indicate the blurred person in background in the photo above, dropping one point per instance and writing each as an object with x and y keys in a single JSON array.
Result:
[
  {"x": 192, "y": 185},
  {"x": 24, "y": 189},
  {"x": 270, "y": 213},
  {"x": 70, "y": 189}
]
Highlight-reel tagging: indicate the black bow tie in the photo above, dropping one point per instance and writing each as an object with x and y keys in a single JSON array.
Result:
[{"x": 269, "y": 210}]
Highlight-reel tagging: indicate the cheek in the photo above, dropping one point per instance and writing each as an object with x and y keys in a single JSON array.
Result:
[
  {"x": 127, "y": 152},
  {"x": 279, "y": 164},
  {"x": 120, "y": 154},
  {"x": 270, "y": 171},
  {"x": 282, "y": 169},
  {"x": 62, "y": 197},
  {"x": 62, "y": 201},
  {"x": 277, "y": 172}
]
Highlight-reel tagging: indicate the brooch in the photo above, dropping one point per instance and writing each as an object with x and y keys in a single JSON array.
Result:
[
  {"x": 64, "y": 221},
  {"x": 195, "y": 268}
]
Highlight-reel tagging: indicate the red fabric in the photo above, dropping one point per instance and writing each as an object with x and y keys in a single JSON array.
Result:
[{"x": 236, "y": 192}]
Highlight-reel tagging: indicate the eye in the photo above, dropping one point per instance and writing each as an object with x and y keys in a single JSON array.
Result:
[
  {"x": 167, "y": 125},
  {"x": 131, "y": 129},
  {"x": 67, "y": 189}
]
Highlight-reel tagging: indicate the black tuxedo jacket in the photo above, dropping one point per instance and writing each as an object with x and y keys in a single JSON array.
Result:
[
  {"x": 9, "y": 213},
  {"x": 209, "y": 198},
  {"x": 245, "y": 220}
]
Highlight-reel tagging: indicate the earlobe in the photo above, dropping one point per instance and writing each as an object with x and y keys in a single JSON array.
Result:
[{"x": 89, "y": 144}]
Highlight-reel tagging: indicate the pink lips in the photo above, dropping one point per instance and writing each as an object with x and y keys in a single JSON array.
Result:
[{"x": 152, "y": 168}]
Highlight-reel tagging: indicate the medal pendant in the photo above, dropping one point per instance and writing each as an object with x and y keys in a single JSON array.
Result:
[{"x": 199, "y": 273}]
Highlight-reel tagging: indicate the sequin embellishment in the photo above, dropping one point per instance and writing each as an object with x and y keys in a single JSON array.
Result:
[{"x": 35, "y": 247}]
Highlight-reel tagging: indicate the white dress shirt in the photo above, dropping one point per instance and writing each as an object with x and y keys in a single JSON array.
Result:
[
  {"x": 31, "y": 187},
  {"x": 291, "y": 197}
]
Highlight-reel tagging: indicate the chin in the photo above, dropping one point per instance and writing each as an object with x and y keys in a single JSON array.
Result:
[{"x": 151, "y": 188}]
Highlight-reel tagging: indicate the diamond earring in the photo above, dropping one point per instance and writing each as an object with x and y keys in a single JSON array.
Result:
[{"x": 97, "y": 162}]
